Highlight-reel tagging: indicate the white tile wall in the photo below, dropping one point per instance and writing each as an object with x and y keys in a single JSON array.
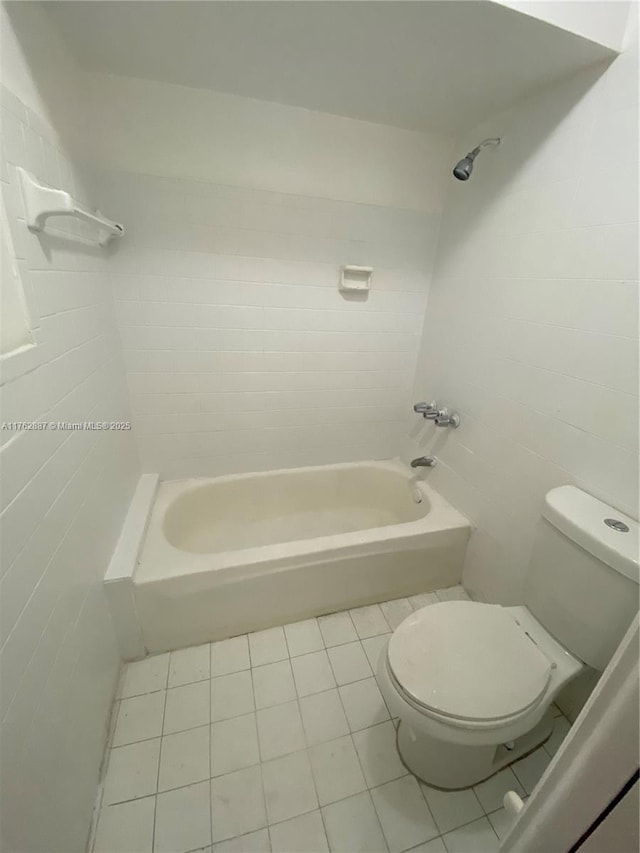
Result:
[
  {"x": 532, "y": 327},
  {"x": 64, "y": 496},
  {"x": 240, "y": 351}
]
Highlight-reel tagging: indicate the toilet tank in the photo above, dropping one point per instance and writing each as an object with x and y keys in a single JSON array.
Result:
[{"x": 582, "y": 580}]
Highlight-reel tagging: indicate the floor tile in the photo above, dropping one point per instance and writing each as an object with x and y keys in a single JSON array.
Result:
[
  {"x": 369, "y": 621},
  {"x": 238, "y": 803},
  {"x": 378, "y": 754},
  {"x": 126, "y": 828},
  {"x": 452, "y": 809},
  {"x": 323, "y": 717},
  {"x": 303, "y": 637},
  {"x": 280, "y": 730},
  {"x": 363, "y": 704},
  {"x": 561, "y": 728},
  {"x": 312, "y": 673},
  {"x": 253, "y": 842},
  {"x": 336, "y": 629},
  {"x": 304, "y": 834},
  {"x": 453, "y": 593},
  {"x": 234, "y": 744},
  {"x": 189, "y": 665},
  {"x": 145, "y": 676},
  {"x": 336, "y": 770},
  {"x": 229, "y": 656},
  {"x": 396, "y": 611},
  {"x": 288, "y": 787},
  {"x": 132, "y": 771},
  {"x": 231, "y": 695},
  {"x": 476, "y": 837},
  {"x": 183, "y": 819},
  {"x": 530, "y": 768},
  {"x": 404, "y": 814},
  {"x": 373, "y": 648},
  {"x": 184, "y": 758},
  {"x": 491, "y": 791},
  {"x": 273, "y": 684},
  {"x": 139, "y": 718},
  {"x": 322, "y": 731},
  {"x": 267, "y": 646},
  {"x": 423, "y": 599},
  {"x": 349, "y": 663},
  {"x": 501, "y": 821},
  {"x": 187, "y": 707},
  {"x": 352, "y": 826}
]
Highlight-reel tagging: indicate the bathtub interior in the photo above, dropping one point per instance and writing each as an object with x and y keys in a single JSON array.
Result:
[
  {"x": 287, "y": 506},
  {"x": 211, "y": 558}
]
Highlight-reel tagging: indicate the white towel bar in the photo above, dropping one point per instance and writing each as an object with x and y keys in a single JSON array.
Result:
[{"x": 40, "y": 202}]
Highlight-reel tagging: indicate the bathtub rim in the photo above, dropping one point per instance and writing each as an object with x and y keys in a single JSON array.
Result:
[{"x": 161, "y": 563}]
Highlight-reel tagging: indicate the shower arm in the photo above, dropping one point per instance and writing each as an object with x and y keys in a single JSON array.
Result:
[{"x": 473, "y": 154}]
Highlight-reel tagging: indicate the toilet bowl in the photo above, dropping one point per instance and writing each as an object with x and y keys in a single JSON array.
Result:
[{"x": 472, "y": 683}]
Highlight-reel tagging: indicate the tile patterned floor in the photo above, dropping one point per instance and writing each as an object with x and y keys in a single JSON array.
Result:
[{"x": 281, "y": 741}]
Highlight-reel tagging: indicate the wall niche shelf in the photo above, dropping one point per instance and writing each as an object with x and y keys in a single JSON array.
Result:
[{"x": 353, "y": 277}]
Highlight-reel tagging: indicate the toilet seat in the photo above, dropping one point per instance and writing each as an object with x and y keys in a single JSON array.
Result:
[{"x": 466, "y": 661}]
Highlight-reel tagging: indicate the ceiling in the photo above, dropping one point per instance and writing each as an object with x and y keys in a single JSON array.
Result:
[{"x": 435, "y": 66}]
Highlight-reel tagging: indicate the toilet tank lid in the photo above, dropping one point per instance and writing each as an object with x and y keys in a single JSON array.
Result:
[{"x": 581, "y": 517}]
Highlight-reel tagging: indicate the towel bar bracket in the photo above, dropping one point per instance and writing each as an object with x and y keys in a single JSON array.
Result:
[{"x": 41, "y": 202}]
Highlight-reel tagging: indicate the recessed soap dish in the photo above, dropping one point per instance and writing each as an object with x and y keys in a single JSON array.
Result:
[{"x": 355, "y": 278}]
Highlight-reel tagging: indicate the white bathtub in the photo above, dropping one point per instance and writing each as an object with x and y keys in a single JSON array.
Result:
[{"x": 239, "y": 553}]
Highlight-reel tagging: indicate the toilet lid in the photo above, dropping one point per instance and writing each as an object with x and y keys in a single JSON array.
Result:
[{"x": 468, "y": 660}]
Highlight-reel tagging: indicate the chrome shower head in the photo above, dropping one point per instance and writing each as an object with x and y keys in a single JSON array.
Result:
[{"x": 463, "y": 168}]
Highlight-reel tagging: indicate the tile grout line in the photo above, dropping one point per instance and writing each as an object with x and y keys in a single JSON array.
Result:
[
  {"x": 111, "y": 730},
  {"x": 313, "y": 779},
  {"x": 306, "y": 749},
  {"x": 262, "y": 788},
  {"x": 338, "y": 685},
  {"x": 368, "y": 788},
  {"x": 210, "y": 729},
  {"x": 373, "y": 802},
  {"x": 211, "y": 704},
  {"x": 164, "y": 710},
  {"x": 418, "y": 846},
  {"x": 426, "y": 802},
  {"x": 459, "y": 826}
]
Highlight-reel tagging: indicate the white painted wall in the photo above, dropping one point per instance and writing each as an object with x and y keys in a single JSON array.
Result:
[
  {"x": 64, "y": 494},
  {"x": 151, "y": 128},
  {"x": 532, "y": 326},
  {"x": 241, "y": 353},
  {"x": 39, "y": 70},
  {"x": 602, "y": 21}
]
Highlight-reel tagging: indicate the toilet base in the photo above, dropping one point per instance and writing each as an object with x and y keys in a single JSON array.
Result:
[{"x": 451, "y": 766}]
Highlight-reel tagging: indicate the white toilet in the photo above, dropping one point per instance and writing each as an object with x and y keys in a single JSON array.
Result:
[{"x": 473, "y": 683}]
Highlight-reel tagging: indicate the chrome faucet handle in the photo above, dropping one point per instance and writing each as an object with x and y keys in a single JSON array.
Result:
[
  {"x": 444, "y": 419},
  {"x": 424, "y": 462},
  {"x": 427, "y": 410}
]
